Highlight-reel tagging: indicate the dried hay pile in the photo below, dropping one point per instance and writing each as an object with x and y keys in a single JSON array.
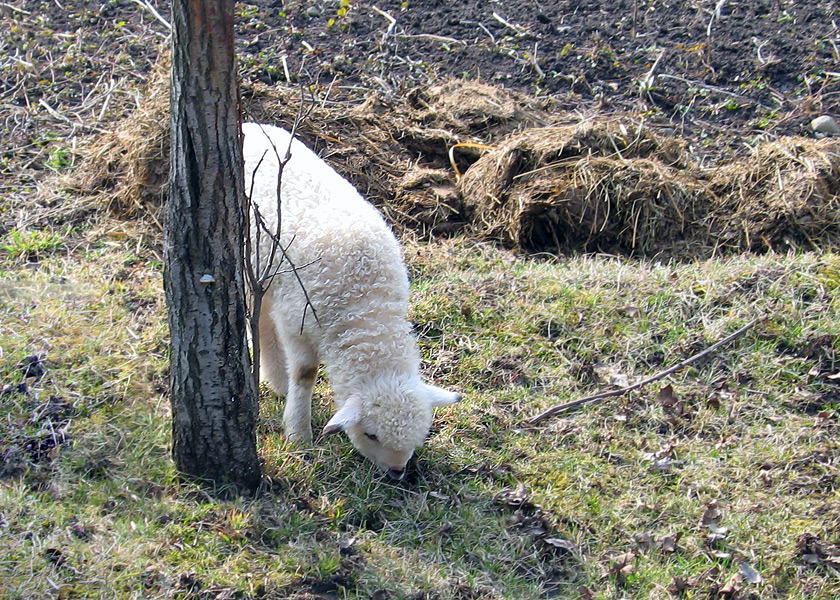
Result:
[
  {"x": 543, "y": 185},
  {"x": 126, "y": 170},
  {"x": 376, "y": 142},
  {"x": 474, "y": 107},
  {"x": 588, "y": 187},
  {"x": 786, "y": 194}
]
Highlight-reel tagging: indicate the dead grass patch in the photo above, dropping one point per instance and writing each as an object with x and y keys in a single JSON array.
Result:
[
  {"x": 545, "y": 184},
  {"x": 125, "y": 171},
  {"x": 593, "y": 186},
  {"x": 784, "y": 195}
]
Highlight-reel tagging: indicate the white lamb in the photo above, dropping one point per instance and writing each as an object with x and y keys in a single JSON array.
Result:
[{"x": 350, "y": 266}]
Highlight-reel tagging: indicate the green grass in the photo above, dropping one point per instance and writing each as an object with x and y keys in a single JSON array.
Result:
[
  {"x": 30, "y": 244},
  {"x": 492, "y": 507}
]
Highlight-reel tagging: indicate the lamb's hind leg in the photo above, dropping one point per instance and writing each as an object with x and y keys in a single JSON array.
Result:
[
  {"x": 272, "y": 359},
  {"x": 303, "y": 367}
]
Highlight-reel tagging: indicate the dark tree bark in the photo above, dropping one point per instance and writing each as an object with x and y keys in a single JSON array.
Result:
[{"x": 213, "y": 397}]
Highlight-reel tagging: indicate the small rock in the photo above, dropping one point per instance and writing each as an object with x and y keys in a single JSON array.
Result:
[
  {"x": 825, "y": 125},
  {"x": 313, "y": 11}
]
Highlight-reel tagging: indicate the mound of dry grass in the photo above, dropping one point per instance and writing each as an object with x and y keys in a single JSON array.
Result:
[
  {"x": 126, "y": 170},
  {"x": 593, "y": 186},
  {"x": 543, "y": 185},
  {"x": 784, "y": 195}
]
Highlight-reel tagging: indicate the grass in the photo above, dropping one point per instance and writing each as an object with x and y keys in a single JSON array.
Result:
[
  {"x": 730, "y": 477},
  {"x": 30, "y": 244}
]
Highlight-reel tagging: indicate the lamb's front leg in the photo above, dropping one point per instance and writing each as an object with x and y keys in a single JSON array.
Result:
[{"x": 303, "y": 367}]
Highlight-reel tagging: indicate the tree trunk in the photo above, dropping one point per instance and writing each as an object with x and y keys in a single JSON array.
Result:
[{"x": 214, "y": 402}]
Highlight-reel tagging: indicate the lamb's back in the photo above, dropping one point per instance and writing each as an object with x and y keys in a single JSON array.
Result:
[{"x": 348, "y": 259}]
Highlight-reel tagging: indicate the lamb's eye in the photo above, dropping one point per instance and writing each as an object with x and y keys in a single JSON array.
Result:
[{"x": 370, "y": 436}]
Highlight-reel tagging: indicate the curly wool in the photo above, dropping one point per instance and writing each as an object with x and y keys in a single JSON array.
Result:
[{"x": 349, "y": 264}]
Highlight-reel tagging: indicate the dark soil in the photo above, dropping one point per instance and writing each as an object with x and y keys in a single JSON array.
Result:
[
  {"x": 721, "y": 76},
  {"x": 26, "y": 444},
  {"x": 759, "y": 65}
]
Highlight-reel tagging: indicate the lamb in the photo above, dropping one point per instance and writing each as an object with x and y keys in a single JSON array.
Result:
[{"x": 358, "y": 286}]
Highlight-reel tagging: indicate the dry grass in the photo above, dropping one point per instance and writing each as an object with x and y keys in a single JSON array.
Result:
[
  {"x": 784, "y": 195},
  {"x": 125, "y": 172},
  {"x": 595, "y": 185}
]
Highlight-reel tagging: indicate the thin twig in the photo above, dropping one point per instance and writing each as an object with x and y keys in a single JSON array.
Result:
[
  {"x": 15, "y": 8},
  {"x": 464, "y": 145},
  {"x": 431, "y": 37},
  {"x": 534, "y": 62},
  {"x": 647, "y": 82},
  {"x": 715, "y": 89},
  {"x": 483, "y": 28},
  {"x": 517, "y": 28},
  {"x": 589, "y": 399},
  {"x": 261, "y": 277},
  {"x": 715, "y": 16},
  {"x": 285, "y": 63},
  {"x": 392, "y": 22},
  {"x": 145, "y": 4}
]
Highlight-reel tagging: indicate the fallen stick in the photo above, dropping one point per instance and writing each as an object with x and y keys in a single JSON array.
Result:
[
  {"x": 715, "y": 89},
  {"x": 576, "y": 403}
]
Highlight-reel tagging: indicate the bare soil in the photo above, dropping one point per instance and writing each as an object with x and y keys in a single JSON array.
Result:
[{"x": 751, "y": 66}]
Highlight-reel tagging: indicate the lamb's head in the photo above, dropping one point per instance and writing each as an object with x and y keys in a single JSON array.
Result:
[{"x": 389, "y": 419}]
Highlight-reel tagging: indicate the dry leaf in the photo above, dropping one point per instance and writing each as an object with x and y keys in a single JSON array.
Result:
[
  {"x": 667, "y": 397},
  {"x": 622, "y": 565},
  {"x": 644, "y": 539},
  {"x": 534, "y": 525},
  {"x": 715, "y": 399},
  {"x": 585, "y": 593},
  {"x": 749, "y": 574},
  {"x": 663, "y": 465},
  {"x": 630, "y": 311},
  {"x": 732, "y": 585},
  {"x": 346, "y": 546},
  {"x": 717, "y": 529},
  {"x": 669, "y": 542},
  {"x": 666, "y": 450},
  {"x": 662, "y": 460},
  {"x": 711, "y": 514},
  {"x": 560, "y": 544},
  {"x": 510, "y": 497},
  {"x": 612, "y": 375},
  {"x": 679, "y": 585},
  {"x": 815, "y": 551}
]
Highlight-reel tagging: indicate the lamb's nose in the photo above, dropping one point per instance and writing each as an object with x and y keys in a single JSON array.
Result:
[{"x": 396, "y": 474}]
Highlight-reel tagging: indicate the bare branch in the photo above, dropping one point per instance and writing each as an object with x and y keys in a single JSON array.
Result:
[
  {"x": 147, "y": 5},
  {"x": 261, "y": 274},
  {"x": 589, "y": 399},
  {"x": 391, "y": 20}
]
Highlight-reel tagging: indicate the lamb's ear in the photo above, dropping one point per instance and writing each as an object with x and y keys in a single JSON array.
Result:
[
  {"x": 438, "y": 396},
  {"x": 349, "y": 414}
]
